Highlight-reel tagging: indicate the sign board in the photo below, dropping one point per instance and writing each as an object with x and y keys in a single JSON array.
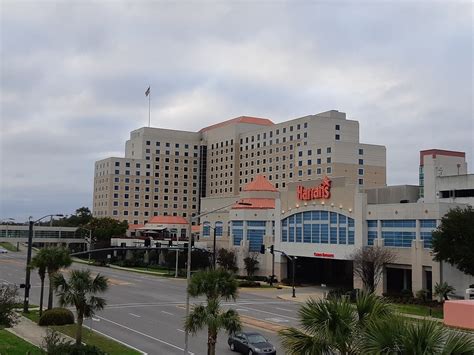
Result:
[
  {"x": 323, "y": 191},
  {"x": 324, "y": 255}
]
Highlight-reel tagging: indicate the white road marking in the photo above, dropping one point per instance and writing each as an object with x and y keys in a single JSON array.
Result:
[
  {"x": 95, "y": 319},
  {"x": 171, "y": 314},
  {"x": 145, "y": 335},
  {"x": 135, "y": 315},
  {"x": 273, "y": 314},
  {"x": 118, "y": 341},
  {"x": 241, "y": 310},
  {"x": 180, "y": 330},
  {"x": 284, "y": 309},
  {"x": 277, "y": 320}
]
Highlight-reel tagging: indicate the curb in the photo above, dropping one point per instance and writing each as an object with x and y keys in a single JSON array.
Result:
[{"x": 135, "y": 270}]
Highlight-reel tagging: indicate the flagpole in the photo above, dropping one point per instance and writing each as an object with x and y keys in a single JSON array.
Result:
[{"x": 149, "y": 115}]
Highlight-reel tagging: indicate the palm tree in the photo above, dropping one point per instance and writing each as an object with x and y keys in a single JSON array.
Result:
[
  {"x": 215, "y": 285},
  {"x": 39, "y": 262},
  {"x": 397, "y": 335},
  {"x": 442, "y": 290},
  {"x": 79, "y": 291},
  {"x": 334, "y": 325},
  {"x": 56, "y": 258}
]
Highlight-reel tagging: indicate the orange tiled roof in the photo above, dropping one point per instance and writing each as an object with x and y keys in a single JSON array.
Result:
[
  {"x": 241, "y": 119},
  {"x": 168, "y": 220},
  {"x": 260, "y": 183},
  {"x": 135, "y": 226},
  {"x": 256, "y": 203}
]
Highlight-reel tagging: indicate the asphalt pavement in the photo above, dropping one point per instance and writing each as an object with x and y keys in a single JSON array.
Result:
[{"x": 147, "y": 312}]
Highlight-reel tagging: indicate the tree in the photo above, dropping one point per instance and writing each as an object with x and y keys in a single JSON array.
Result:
[
  {"x": 8, "y": 301},
  {"x": 333, "y": 325},
  {"x": 56, "y": 258},
  {"x": 227, "y": 259},
  {"x": 251, "y": 264},
  {"x": 443, "y": 290},
  {"x": 368, "y": 264},
  {"x": 82, "y": 216},
  {"x": 453, "y": 240},
  {"x": 79, "y": 291},
  {"x": 398, "y": 335},
  {"x": 105, "y": 228},
  {"x": 215, "y": 285},
  {"x": 40, "y": 262}
]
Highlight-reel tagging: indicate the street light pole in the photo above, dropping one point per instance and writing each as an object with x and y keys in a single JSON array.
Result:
[
  {"x": 28, "y": 260},
  {"x": 188, "y": 266}
]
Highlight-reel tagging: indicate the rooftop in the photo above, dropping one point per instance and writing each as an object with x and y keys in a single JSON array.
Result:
[
  {"x": 241, "y": 119},
  {"x": 260, "y": 183},
  {"x": 168, "y": 220}
]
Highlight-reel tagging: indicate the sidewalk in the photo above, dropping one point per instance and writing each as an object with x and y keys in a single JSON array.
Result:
[{"x": 31, "y": 332}]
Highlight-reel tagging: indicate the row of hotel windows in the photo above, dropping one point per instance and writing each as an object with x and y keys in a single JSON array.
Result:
[
  {"x": 155, "y": 197},
  {"x": 176, "y": 153},
  {"x": 148, "y": 213},
  {"x": 403, "y": 237},
  {"x": 168, "y": 145}
]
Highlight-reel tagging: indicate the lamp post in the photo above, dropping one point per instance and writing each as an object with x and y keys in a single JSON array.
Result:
[
  {"x": 89, "y": 242},
  {"x": 188, "y": 266},
  {"x": 28, "y": 259}
]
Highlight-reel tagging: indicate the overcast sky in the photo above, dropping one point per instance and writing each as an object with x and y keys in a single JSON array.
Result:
[{"x": 73, "y": 77}]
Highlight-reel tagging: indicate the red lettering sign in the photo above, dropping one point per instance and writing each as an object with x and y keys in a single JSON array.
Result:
[
  {"x": 324, "y": 255},
  {"x": 323, "y": 191}
]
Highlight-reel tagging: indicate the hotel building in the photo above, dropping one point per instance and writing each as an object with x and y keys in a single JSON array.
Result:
[
  {"x": 167, "y": 172},
  {"x": 310, "y": 188}
]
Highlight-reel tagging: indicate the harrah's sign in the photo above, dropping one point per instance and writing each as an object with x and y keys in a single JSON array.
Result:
[{"x": 323, "y": 191}]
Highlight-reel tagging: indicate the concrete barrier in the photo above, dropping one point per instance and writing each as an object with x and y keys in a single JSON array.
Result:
[{"x": 459, "y": 314}]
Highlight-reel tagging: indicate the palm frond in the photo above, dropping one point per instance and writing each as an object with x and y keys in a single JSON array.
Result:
[
  {"x": 297, "y": 342},
  {"x": 197, "y": 319},
  {"x": 230, "y": 321},
  {"x": 458, "y": 343}
]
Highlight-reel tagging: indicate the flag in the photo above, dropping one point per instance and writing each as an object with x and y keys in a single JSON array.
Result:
[{"x": 147, "y": 92}]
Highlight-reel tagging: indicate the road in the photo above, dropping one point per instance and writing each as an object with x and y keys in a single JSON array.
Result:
[{"x": 147, "y": 312}]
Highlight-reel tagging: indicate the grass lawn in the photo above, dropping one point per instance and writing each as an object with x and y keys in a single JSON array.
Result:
[
  {"x": 8, "y": 246},
  {"x": 89, "y": 337},
  {"x": 92, "y": 338},
  {"x": 419, "y": 310},
  {"x": 12, "y": 345}
]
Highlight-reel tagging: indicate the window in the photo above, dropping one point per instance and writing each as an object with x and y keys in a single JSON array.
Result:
[
  {"x": 328, "y": 160},
  {"x": 361, "y": 161},
  {"x": 361, "y": 151},
  {"x": 338, "y": 137},
  {"x": 361, "y": 171},
  {"x": 328, "y": 150},
  {"x": 328, "y": 170},
  {"x": 338, "y": 127},
  {"x": 361, "y": 181}
]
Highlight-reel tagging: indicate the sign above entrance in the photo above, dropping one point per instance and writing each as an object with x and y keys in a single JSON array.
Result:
[
  {"x": 323, "y": 191},
  {"x": 324, "y": 255}
]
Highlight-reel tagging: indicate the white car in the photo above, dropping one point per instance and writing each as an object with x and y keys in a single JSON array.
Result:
[{"x": 3, "y": 251}]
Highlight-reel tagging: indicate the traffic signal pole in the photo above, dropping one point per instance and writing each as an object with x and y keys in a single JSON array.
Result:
[{"x": 293, "y": 265}]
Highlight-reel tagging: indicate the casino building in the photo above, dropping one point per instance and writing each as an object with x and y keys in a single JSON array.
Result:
[
  {"x": 310, "y": 188},
  {"x": 324, "y": 220}
]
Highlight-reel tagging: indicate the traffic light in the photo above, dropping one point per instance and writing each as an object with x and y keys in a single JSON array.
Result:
[
  {"x": 262, "y": 249},
  {"x": 147, "y": 242},
  {"x": 170, "y": 243},
  {"x": 271, "y": 249}
]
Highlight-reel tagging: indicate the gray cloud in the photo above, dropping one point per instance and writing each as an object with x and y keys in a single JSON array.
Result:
[{"x": 73, "y": 76}]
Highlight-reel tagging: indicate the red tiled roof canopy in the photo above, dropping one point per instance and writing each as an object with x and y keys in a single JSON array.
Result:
[
  {"x": 241, "y": 119},
  {"x": 168, "y": 220},
  {"x": 260, "y": 183},
  {"x": 135, "y": 226},
  {"x": 255, "y": 203},
  {"x": 434, "y": 152}
]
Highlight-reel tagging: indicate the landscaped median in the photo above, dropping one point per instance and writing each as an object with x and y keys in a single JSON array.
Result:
[
  {"x": 89, "y": 337},
  {"x": 12, "y": 345},
  {"x": 8, "y": 246}
]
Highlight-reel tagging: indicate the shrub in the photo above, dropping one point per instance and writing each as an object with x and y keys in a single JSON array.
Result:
[
  {"x": 8, "y": 303},
  {"x": 422, "y": 295},
  {"x": 406, "y": 293},
  {"x": 57, "y": 316}
]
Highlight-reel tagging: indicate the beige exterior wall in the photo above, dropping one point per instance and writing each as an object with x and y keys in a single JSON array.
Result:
[{"x": 301, "y": 149}]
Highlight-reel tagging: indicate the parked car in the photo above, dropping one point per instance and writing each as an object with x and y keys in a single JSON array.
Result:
[
  {"x": 3, "y": 251},
  {"x": 250, "y": 343}
]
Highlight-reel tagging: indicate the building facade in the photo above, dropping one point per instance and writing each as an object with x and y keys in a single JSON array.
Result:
[
  {"x": 322, "y": 222},
  {"x": 168, "y": 172}
]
